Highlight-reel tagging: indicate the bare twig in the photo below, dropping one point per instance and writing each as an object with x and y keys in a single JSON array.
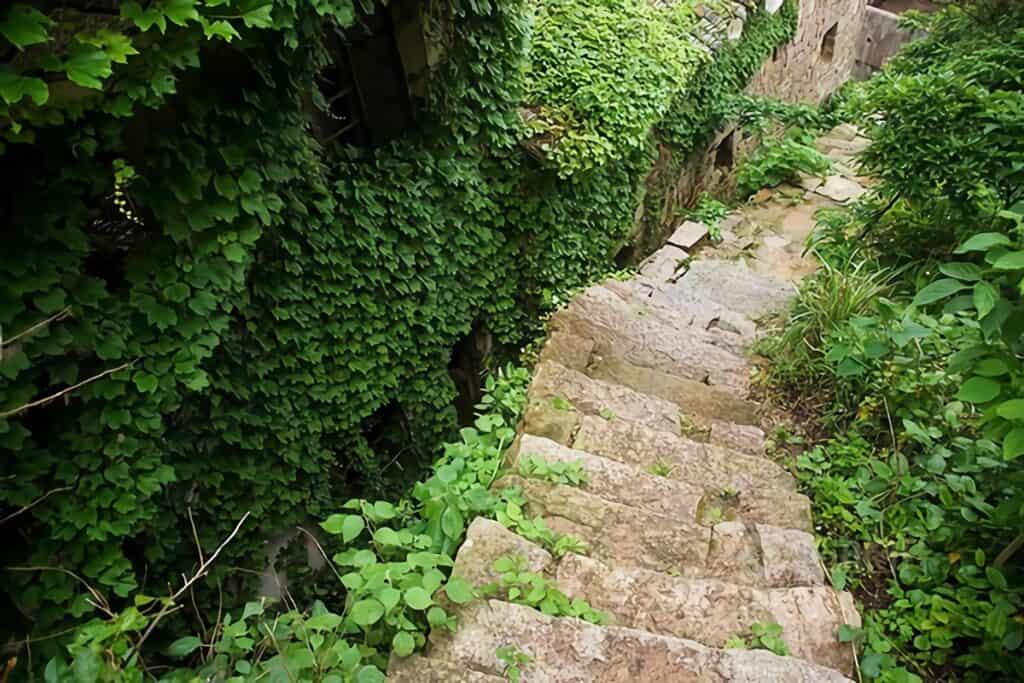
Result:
[
  {"x": 195, "y": 535},
  {"x": 60, "y": 315},
  {"x": 31, "y": 505},
  {"x": 204, "y": 567},
  {"x": 52, "y": 397}
]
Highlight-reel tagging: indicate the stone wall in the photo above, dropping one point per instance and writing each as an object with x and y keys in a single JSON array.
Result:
[{"x": 821, "y": 56}]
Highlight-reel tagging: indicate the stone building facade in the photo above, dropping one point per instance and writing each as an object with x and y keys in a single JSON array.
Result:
[{"x": 820, "y": 58}]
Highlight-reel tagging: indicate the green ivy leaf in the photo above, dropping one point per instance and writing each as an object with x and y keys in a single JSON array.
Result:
[
  {"x": 180, "y": 12},
  {"x": 145, "y": 382},
  {"x": 24, "y": 26},
  {"x": 87, "y": 65},
  {"x": 1012, "y": 409},
  {"x": 14, "y": 87}
]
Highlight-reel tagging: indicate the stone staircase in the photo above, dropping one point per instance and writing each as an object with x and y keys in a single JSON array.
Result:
[{"x": 693, "y": 534}]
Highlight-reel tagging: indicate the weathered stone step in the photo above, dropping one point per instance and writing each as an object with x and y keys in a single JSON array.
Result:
[
  {"x": 707, "y": 315},
  {"x": 682, "y": 322},
  {"x": 565, "y": 650},
  {"x": 695, "y": 399},
  {"x": 420, "y": 669},
  {"x": 650, "y": 342},
  {"x": 559, "y": 397},
  {"x": 711, "y": 611},
  {"x": 617, "y": 482},
  {"x": 684, "y": 459},
  {"x": 758, "y": 555},
  {"x": 733, "y": 285}
]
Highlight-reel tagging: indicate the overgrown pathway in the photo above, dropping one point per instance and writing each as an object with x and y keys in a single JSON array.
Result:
[{"x": 695, "y": 537}]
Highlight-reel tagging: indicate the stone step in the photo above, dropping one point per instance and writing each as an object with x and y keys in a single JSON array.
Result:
[
  {"x": 695, "y": 399},
  {"x": 738, "y": 437},
  {"x": 560, "y": 396},
  {"x": 619, "y": 483},
  {"x": 708, "y": 316},
  {"x": 687, "y": 500},
  {"x": 649, "y": 341},
  {"x": 420, "y": 669},
  {"x": 758, "y": 555},
  {"x": 711, "y": 611},
  {"x": 708, "y": 611},
  {"x": 563, "y": 650},
  {"x": 688, "y": 460},
  {"x": 733, "y": 285},
  {"x": 688, "y": 322}
]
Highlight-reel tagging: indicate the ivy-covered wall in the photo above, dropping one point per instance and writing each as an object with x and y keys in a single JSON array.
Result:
[{"x": 205, "y": 313}]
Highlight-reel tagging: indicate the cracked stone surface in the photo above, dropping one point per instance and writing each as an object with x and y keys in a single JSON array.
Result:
[{"x": 693, "y": 533}]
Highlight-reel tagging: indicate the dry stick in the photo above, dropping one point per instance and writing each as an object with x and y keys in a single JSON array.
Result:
[
  {"x": 60, "y": 315},
  {"x": 31, "y": 505},
  {"x": 34, "y": 404},
  {"x": 203, "y": 568}
]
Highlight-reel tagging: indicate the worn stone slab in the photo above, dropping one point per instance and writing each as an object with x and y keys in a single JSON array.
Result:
[
  {"x": 664, "y": 263},
  {"x": 551, "y": 418},
  {"x": 790, "y": 557},
  {"x": 648, "y": 341},
  {"x": 615, "y": 532},
  {"x": 712, "y": 467},
  {"x": 572, "y": 651},
  {"x": 567, "y": 349},
  {"x": 688, "y": 234},
  {"x": 706, "y": 315},
  {"x": 840, "y": 189},
  {"x": 746, "y": 438},
  {"x": 486, "y": 541},
  {"x": 733, "y": 285},
  {"x": 619, "y": 483},
  {"x": 695, "y": 399},
  {"x": 592, "y": 397},
  {"x": 711, "y": 612},
  {"x": 420, "y": 669}
]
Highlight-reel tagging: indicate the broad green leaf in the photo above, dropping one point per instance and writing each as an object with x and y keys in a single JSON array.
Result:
[
  {"x": 996, "y": 578},
  {"x": 180, "y": 12},
  {"x": 1012, "y": 409},
  {"x": 183, "y": 646},
  {"x": 979, "y": 390},
  {"x": 351, "y": 526},
  {"x": 1013, "y": 444},
  {"x": 24, "y": 26},
  {"x": 145, "y": 382},
  {"x": 369, "y": 674},
  {"x": 983, "y": 242},
  {"x": 985, "y": 296},
  {"x": 940, "y": 289},
  {"x": 452, "y": 522},
  {"x": 417, "y": 598},
  {"x": 459, "y": 590},
  {"x": 403, "y": 644},
  {"x": 1013, "y": 260},
  {"x": 991, "y": 367},
  {"x": 961, "y": 271},
  {"x": 367, "y": 612}
]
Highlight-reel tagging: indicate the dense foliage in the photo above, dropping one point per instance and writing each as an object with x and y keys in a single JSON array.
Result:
[
  {"x": 207, "y": 316},
  {"x": 915, "y": 325}
]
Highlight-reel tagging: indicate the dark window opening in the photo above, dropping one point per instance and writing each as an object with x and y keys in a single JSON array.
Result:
[
  {"x": 467, "y": 367},
  {"x": 366, "y": 93},
  {"x": 828, "y": 43},
  {"x": 724, "y": 154}
]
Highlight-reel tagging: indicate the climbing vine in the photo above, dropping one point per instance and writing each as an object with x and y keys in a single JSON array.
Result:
[{"x": 207, "y": 314}]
